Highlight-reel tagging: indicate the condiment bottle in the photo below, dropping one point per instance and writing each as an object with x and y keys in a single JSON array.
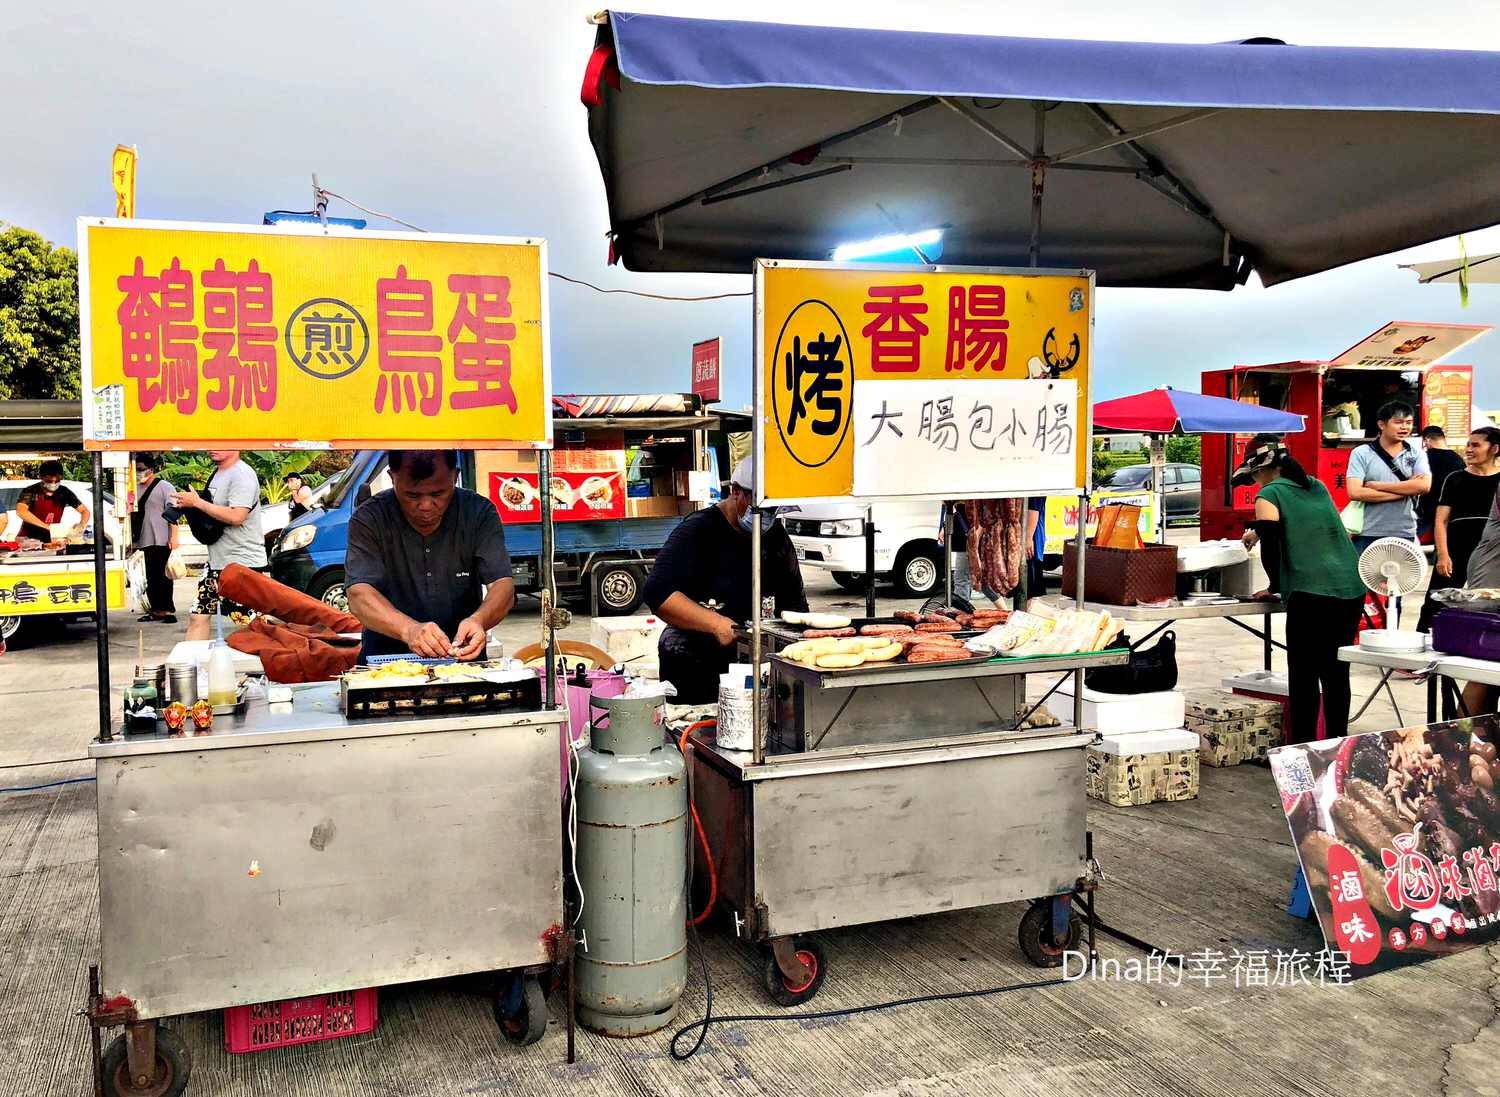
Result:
[
  {"x": 221, "y": 677},
  {"x": 140, "y": 705}
]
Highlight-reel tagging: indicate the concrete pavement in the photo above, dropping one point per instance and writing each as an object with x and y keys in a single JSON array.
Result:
[{"x": 1210, "y": 874}]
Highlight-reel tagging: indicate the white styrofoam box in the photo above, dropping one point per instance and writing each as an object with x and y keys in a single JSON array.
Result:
[
  {"x": 626, "y": 638},
  {"x": 1269, "y": 682},
  {"x": 1148, "y": 742},
  {"x": 196, "y": 651},
  {"x": 1244, "y": 579},
  {"x": 1210, "y": 554},
  {"x": 1113, "y": 713}
]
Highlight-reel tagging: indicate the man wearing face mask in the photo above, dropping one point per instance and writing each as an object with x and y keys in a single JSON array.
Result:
[
  {"x": 42, "y": 505},
  {"x": 700, "y": 586}
]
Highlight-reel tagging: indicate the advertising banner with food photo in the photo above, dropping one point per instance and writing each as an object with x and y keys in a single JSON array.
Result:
[
  {"x": 576, "y": 496},
  {"x": 1398, "y": 833},
  {"x": 263, "y": 336},
  {"x": 880, "y": 381},
  {"x": 1406, "y": 345}
]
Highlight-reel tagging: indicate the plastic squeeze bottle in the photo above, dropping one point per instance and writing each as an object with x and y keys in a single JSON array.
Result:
[{"x": 221, "y": 676}]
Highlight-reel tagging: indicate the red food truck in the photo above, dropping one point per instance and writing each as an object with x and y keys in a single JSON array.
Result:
[{"x": 1339, "y": 399}]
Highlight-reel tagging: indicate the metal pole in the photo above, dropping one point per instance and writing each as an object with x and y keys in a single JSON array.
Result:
[
  {"x": 869, "y": 561},
  {"x": 101, "y": 603},
  {"x": 549, "y": 638},
  {"x": 1081, "y": 542},
  {"x": 757, "y": 753},
  {"x": 1038, "y": 179},
  {"x": 947, "y": 553},
  {"x": 1159, "y": 483}
]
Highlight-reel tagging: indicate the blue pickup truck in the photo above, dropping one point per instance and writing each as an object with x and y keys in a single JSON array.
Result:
[{"x": 600, "y": 563}]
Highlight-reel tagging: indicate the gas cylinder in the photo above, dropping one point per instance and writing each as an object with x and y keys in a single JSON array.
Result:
[{"x": 632, "y": 859}]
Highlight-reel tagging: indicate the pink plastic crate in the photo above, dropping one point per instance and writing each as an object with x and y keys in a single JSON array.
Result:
[{"x": 299, "y": 1021}]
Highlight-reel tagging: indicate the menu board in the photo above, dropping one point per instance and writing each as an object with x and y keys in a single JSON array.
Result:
[
  {"x": 576, "y": 496},
  {"x": 1447, "y": 399}
]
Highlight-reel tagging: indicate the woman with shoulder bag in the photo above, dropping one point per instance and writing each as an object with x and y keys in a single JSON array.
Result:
[
  {"x": 1316, "y": 572},
  {"x": 156, "y": 537}
]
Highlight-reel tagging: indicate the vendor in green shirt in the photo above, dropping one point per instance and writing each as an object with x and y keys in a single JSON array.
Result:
[{"x": 1313, "y": 567}]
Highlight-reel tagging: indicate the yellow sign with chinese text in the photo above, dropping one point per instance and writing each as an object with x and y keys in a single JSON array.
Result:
[
  {"x": 823, "y": 329},
  {"x": 1060, "y": 519},
  {"x": 200, "y": 336},
  {"x": 28, "y": 591},
  {"x": 122, "y": 178}
]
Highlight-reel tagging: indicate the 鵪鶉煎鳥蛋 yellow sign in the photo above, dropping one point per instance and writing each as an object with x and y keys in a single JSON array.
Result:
[
  {"x": 255, "y": 337},
  {"x": 882, "y": 381}
]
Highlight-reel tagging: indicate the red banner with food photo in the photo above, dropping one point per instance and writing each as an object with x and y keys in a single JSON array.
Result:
[
  {"x": 576, "y": 496},
  {"x": 1398, "y": 834}
]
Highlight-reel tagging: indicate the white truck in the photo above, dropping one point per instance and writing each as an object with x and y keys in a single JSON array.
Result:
[{"x": 831, "y": 536}]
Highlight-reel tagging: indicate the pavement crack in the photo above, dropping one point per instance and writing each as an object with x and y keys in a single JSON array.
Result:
[{"x": 1492, "y": 992}]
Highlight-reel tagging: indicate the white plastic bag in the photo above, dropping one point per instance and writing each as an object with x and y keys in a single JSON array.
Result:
[
  {"x": 176, "y": 566},
  {"x": 135, "y": 582}
]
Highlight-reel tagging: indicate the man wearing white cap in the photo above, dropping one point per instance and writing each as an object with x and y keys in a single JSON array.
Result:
[{"x": 700, "y": 586}]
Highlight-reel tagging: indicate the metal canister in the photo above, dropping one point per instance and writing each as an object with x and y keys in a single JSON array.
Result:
[
  {"x": 182, "y": 683},
  {"x": 632, "y": 860},
  {"x": 157, "y": 673}
]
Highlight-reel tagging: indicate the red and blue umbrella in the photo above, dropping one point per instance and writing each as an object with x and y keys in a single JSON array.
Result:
[{"x": 1177, "y": 411}]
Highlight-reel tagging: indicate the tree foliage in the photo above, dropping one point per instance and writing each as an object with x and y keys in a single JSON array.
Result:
[
  {"x": 39, "y": 357},
  {"x": 1184, "y": 448}
]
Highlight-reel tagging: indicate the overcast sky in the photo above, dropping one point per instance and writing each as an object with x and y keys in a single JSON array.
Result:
[{"x": 464, "y": 117}]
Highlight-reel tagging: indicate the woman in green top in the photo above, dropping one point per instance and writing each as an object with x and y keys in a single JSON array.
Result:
[{"x": 1312, "y": 565}]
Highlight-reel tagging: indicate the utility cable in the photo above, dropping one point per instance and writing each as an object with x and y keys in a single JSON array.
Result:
[
  {"x": 708, "y": 1018},
  {"x": 49, "y": 784},
  {"x": 551, "y": 273}
]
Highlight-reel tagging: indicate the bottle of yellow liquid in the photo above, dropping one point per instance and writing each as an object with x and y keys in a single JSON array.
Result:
[{"x": 221, "y": 677}]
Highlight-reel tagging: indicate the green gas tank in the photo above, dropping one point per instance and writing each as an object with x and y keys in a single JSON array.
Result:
[{"x": 632, "y": 858}]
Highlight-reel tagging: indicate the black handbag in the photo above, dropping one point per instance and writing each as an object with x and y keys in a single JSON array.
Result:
[
  {"x": 1150, "y": 670},
  {"x": 207, "y": 530}
]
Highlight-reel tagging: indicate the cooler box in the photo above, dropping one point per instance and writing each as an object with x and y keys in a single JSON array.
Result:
[
  {"x": 1269, "y": 685},
  {"x": 1115, "y": 713},
  {"x": 1233, "y": 728},
  {"x": 626, "y": 638},
  {"x": 1143, "y": 767},
  {"x": 1471, "y": 633}
]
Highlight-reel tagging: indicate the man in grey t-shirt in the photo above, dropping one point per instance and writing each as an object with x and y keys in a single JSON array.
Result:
[
  {"x": 1390, "y": 499},
  {"x": 236, "y": 505}
]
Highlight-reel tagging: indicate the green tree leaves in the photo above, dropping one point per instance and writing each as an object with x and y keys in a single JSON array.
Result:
[{"x": 39, "y": 358}]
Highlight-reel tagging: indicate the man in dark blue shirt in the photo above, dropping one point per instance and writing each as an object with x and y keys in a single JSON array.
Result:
[{"x": 427, "y": 568}]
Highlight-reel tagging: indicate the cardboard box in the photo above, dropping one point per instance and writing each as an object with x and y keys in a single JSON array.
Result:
[
  {"x": 1143, "y": 768},
  {"x": 653, "y": 507}
]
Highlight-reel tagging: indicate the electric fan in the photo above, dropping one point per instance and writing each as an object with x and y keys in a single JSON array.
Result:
[{"x": 1392, "y": 567}]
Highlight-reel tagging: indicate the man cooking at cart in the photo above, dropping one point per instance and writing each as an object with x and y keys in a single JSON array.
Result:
[
  {"x": 43, "y": 504},
  {"x": 427, "y": 572},
  {"x": 700, "y": 586}
]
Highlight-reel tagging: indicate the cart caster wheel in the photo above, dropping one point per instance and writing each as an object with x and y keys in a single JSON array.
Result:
[
  {"x": 782, "y": 990},
  {"x": 1036, "y": 936},
  {"x": 521, "y": 1010},
  {"x": 173, "y": 1065}
]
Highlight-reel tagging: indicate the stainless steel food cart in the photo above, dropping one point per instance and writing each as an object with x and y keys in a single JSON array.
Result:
[
  {"x": 291, "y": 853},
  {"x": 889, "y": 791}
]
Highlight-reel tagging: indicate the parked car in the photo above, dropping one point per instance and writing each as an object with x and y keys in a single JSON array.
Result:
[
  {"x": 831, "y": 536},
  {"x": 1182, "y": 486}
]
